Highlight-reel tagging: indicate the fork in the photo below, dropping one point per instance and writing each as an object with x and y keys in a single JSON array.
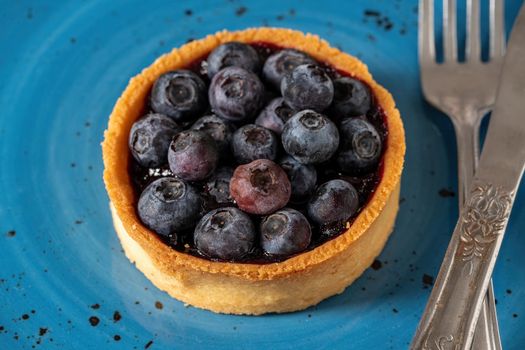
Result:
[{"x": 465, "y": 91}]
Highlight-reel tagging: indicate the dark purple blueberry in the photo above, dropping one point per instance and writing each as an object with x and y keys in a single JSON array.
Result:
[
  {"x": 335, "y": 201},
  {"x": 260, "y": 187},
  {"x": 225, "y": 233},
  {"x": 310, "y": 137},
  {"x": 302, "y": 177},
  {"x": 192, "y": 155},
  {"x": 218, "y": 129},
  {"x": 285, "y": 232},
  {"x": 179, "y": 94},
  {"x": 274, "y": 115},
  {"x": 307, "y": 87},
  {"x": 351, "y": 98},
  {"x": 360, "y": 148},
  {"x": 218, "y": 186},
  {"x": 251, "y": 142},
  {"x": 150, "y": 138},
  {"x": 236, "y": 94},
  {"x": 282, "y": 63},
  {"x": 168, "y": 205},
  {"x": 233, "y": 54}
]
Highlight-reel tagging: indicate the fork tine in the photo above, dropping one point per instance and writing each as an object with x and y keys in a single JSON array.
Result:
[
  {"x": 427, "y": 48},
  {"x": 450, "y": 43},
  {"x": 472, "y": 51},
  {"x": 497, "y": 31}
]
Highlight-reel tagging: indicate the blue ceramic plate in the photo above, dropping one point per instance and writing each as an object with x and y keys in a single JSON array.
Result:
[{"x": 62, "y": 67}]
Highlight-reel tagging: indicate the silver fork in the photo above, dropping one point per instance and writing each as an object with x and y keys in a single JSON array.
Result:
[{"x": 465, "y": 91}]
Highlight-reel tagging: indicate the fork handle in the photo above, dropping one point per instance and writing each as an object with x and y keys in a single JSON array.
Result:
[{"x": 486, "y": 336}]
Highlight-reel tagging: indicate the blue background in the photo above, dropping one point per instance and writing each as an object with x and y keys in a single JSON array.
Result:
[{"x": 62, "y": 67}]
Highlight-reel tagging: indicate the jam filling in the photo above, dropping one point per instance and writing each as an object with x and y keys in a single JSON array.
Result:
[{"x": 365, "y": 184}]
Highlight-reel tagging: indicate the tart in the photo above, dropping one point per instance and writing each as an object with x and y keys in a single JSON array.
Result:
[{"x": 260, "y": 282}]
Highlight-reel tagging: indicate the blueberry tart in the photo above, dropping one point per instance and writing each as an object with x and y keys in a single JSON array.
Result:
[{"x": 254, "y": 171}]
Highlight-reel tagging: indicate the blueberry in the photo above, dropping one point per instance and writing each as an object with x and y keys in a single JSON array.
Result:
[
  {"x": 225, "y": 233},
  {"x": 260, "y": 187},
  {"x": 274, "y": 115},
  {"x": 233, "y": 54},
  {"x": 218, "y": 186},
  {"x": 192, "y": 155},
  {"x": 179, "y": 94},
  {"x": 285, "y": 232},
  {"x": 282, "y": 63},
  {"x": 307, "y": 87},
  {"x": 149, "y": 139},
  {"x": 335, "y": 201},
  {"x": 168, "y": 205},
  {"x": 236, "y": 94},
  {"x": 360, "y": 148},
  {"x": 251, "y": 142},
  {"x": 218, "y": 129},
  {"x": 302, "y": 177},
  {"x": 310, "y": 137},
  {"x": 351, "y": 98}
]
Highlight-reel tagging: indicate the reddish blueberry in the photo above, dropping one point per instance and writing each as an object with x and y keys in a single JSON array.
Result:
[{"x": 260, "y": 187}]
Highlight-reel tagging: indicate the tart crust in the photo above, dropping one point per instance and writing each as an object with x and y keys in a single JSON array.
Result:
[{"x": 237, "y": 288}]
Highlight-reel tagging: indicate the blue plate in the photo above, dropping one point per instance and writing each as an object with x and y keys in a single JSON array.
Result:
[{"x": 62, "y": 67}]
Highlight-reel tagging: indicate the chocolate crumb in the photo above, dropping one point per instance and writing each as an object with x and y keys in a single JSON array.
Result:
[
  {"x": 372, "y": 13},
  {"x": 148, "y": 344},
  {"x": 241, "y": 11},
  {"x": 428, "y": 280},
  {"x": 394, "y": 310},
  {"x": 95, "y": 306},
  {"x": 279, "y": 17},
  {"x": 188, "y": 12},
  {"x": 116, "y": 337},
  {"x": 117, "y": 316},
  {"x": 1, "y": 328},
  {"x": 376, "y": 265},
  {"x": 514, "y": 315},
  {"x": 509, "y": 291},
  {"x": 137, "y": 302},
  {"x": 309, "y": 315},
  {"x": 94, "y": 321},
  {"x": 159, "y": 305},
  {"x": 42, "y": 331},
  {"x": 25, "y": 316},
  {"x": 78, "y": 222},
  {"x": 446, "y": 193},
  {"x": 11, "y": 233}
]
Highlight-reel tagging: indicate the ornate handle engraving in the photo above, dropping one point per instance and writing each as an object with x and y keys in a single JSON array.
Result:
[
  {"x": 454, "y": 305},
  {"x": 484, "y": 218}
]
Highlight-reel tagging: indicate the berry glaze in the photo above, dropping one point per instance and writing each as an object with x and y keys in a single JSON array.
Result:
[{"x": 365, "y": 184}]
